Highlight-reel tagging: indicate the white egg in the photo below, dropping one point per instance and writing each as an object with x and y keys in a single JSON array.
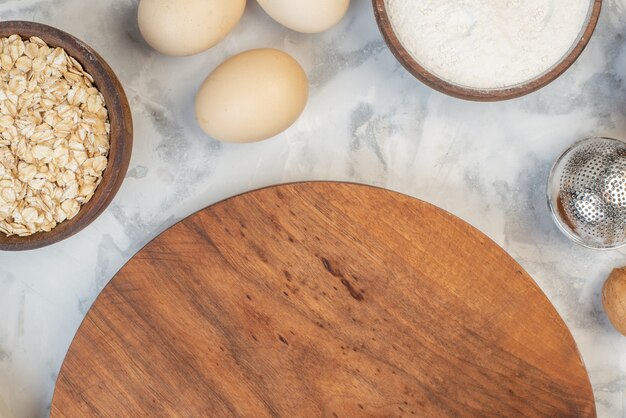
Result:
[
  {"x": 187, "y": 27},
  {"x": 308, "y": 16},
  {"x": 252, "y": 96}
]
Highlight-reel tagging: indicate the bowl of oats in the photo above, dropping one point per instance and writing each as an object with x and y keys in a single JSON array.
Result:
[{"x": 65, "y": 135}]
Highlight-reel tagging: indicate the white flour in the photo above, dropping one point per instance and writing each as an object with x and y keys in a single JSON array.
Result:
[{"x": 488, "y": 43}]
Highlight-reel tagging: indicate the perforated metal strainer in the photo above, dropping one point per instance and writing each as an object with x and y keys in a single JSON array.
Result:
[{"x": 587, "y": 193}]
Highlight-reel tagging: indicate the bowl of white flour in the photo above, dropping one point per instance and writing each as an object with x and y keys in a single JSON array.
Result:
[{"x": 487, "y": 50}]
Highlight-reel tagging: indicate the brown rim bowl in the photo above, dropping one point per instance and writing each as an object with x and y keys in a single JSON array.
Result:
[
  {"x": 121, "y": 137},
  {"x": 481, "y": 95}
]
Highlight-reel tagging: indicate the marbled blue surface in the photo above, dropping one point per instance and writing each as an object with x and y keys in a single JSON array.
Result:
[{"x": 367, "y": 121}]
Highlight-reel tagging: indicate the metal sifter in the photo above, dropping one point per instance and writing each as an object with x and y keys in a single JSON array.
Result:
[{"x": 587, "y": 193}]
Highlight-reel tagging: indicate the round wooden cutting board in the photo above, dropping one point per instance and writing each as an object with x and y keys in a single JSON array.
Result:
[{"x": 322, "y": 299}]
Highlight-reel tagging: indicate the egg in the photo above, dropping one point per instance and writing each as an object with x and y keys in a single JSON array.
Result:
[
  {"x": 187, "y": 27},
  {"x": 613, "y": 298},
  {"x": 252, "y": 96},
  {"x": 308, "y": 16}
]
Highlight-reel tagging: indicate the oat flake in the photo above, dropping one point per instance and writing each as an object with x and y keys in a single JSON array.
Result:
[{"x": 54, "y": 136}]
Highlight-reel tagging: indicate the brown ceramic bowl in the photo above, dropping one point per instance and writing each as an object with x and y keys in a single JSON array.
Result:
[
  {"x": 121, "y": 132},
  {"x": 480, "y": 95}
]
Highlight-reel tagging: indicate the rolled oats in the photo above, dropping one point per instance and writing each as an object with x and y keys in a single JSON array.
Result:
[{"x": 54, "y": 136}]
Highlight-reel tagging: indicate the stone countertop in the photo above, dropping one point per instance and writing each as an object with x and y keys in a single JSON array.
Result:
[{"x": 367, "y": 121}]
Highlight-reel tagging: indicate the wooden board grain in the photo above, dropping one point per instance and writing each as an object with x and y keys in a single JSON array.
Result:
[{"x": 322, "y": 299}]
